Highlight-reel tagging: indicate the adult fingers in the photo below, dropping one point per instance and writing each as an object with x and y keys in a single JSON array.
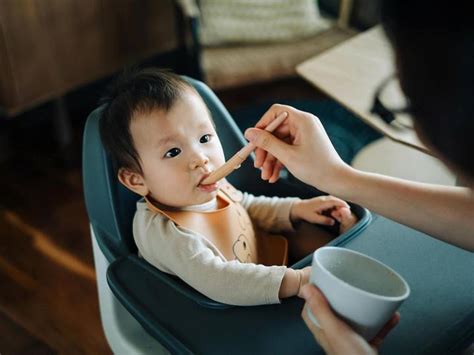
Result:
[
  {"x": 276, "y": 172},
  {"x": 260, "y": 156},
  {"x": 314, "y": 327},
  {"x": 265, "y": 140},
  {"x": 319, "y": 306},
  {"x": 380, "y": 337},
  {"x": 273, "y": 112},
  {"x": 335, "y": 336},
  {"x": 268, "y": 167}
]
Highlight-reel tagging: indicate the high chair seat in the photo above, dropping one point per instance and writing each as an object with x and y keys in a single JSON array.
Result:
[{"x": 168, "y": 309}]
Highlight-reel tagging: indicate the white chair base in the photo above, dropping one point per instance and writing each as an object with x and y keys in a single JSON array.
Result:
[{"x": 124, "y": 334}]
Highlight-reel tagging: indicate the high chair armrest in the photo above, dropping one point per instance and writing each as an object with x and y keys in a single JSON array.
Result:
[
  {"x": 439, "y": 311},
  {"x": 118, "y": 271},
  {"x": 172, "y": 312},
  {"x": 183, "y": 326},
  {"x": 140, "y": 288}
]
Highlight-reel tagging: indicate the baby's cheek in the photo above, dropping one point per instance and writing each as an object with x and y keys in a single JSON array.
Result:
[
  {"x": 175, "y": 186},
  {"x": 219, "y": 153},
  {"x": 219, "y": 159}
]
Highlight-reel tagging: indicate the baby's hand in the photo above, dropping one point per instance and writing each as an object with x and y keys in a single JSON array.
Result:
[
  {"x": 345, "y": 217},
  {"x": 312, "y": 210},
  {"x": 293, "y": 281},
  {"x": 304, "y": 277}
]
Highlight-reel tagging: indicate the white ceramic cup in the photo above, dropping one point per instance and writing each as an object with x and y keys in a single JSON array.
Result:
[{"x": 360, "y": 289}]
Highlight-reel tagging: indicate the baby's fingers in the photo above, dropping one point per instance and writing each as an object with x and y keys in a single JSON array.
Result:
[
  {"x": 345, "y": 213},
  {"x": 341, "y": 213},
  {"x": 321, "y": 219},
  {"x": 336, "y": 215},
  {"x": 330, "y": 202},
  {"x": 345, "y": 217}
]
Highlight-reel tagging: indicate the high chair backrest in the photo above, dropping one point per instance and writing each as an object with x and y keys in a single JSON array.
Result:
[{"x": 109, "y": 204}]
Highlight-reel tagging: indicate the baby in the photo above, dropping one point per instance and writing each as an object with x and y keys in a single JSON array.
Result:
[{"x": 161, "y": 138}]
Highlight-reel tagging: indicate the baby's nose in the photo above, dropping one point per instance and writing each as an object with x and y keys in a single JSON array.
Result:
[{"x": 199, "y": 161}]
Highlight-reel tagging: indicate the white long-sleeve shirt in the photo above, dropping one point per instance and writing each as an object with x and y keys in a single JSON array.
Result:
[{"x": 190, "y": 256}]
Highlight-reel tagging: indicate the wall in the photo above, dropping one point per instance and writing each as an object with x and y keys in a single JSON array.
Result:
[{"x": 48, "y": 47}]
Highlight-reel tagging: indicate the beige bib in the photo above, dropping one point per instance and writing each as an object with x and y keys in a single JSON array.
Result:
[{"x": 230, "y": 229}]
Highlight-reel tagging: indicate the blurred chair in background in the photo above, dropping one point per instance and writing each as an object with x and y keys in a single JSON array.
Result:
[{"x": 234, "y": 43}]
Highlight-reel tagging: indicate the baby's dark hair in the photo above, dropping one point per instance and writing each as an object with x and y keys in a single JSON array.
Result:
[{"x": 135, "y": 91}]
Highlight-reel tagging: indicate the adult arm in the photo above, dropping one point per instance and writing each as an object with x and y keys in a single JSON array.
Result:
[{"x": 446, "y": 213}]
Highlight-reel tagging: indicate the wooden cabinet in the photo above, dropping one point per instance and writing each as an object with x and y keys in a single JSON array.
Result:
[{"x": 48, "y": 47}]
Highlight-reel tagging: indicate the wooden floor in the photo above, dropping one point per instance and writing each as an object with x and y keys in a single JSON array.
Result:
[
  {"x": 48, "y": 293},
  {"x": 47, "y": 277}
]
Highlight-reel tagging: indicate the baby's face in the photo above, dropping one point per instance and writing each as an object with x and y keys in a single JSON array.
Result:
[{"x": 178, "y": 149}]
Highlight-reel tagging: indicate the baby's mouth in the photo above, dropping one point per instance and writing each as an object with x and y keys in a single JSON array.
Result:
[
  {"x": 207, "y": 187},
  {"x": 203, "y": 178}
]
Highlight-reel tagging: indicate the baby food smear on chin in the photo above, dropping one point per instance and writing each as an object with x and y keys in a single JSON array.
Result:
[{"x": 208, "y": 188}]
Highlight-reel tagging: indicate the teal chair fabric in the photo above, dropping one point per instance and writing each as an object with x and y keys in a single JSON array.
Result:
[{"x": 109, "y": 205}]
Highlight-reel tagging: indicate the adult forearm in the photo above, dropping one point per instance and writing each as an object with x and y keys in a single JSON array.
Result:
[{"x": 444, "y": 212}]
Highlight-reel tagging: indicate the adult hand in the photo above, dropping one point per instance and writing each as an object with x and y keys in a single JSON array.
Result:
[
  {"x": 301, "y": 144},
  {"x": 335, "y": 336}
]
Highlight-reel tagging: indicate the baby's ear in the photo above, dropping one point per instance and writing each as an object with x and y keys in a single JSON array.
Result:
[{"x": 133, "y": 181}]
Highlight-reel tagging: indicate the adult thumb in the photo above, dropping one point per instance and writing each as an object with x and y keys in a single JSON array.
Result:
[{"x": 268, "y": 142}]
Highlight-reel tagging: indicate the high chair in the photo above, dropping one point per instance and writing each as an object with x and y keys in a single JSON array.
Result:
[{"x": 144, "y": 310}]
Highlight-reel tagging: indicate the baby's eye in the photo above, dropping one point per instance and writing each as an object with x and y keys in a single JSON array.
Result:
[
  {"x": 205, "y": 138},
  {"x": 172, "y": 153}
]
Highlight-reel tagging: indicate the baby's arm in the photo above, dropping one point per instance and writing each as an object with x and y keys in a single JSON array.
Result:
[
  {"x": 293, "y": 281},
  {"x": 324, "y": 210},
  {"x": 271, "y": 214},
  {"x": 233, "y": 282},
  {"x": 314, "y": 210},
  {"x": 277, "y": 214},
  {"x": 191, "y": 257}
]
